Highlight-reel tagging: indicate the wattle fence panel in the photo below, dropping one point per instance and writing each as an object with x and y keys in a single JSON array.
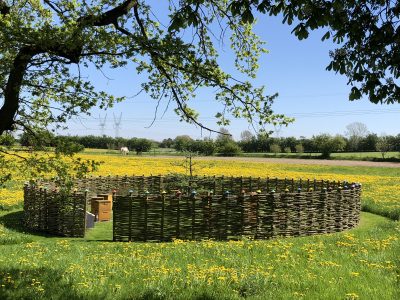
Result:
[{"x": 163, "y": 208}]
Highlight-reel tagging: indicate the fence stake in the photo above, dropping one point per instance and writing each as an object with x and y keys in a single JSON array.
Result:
[
  {"x": 145, "y": 215},
  {"x": 162, "y": 213},
  {"x": 193, "y": 196},
  {"x": 130, "y": 218},
  {"x": 178, "y": 213}
]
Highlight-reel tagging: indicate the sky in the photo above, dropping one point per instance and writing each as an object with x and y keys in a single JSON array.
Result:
[{"x": 316, "y": 98}]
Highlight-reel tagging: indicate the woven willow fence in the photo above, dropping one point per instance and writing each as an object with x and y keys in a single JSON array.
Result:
[
  {"x": 162, "y": 208},
  {"x": 52, "y": 212},
  {"x": 217, "y": 185},
  {"x": 259, "y": 215}
]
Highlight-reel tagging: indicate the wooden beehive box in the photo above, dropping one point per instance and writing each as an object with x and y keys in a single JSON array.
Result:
[
  {"x": 101, "y": 208},
  {"x": 108, "y": 197},
  {"x": 104, "y": 210},
  {"x": 93, "y": 206}
]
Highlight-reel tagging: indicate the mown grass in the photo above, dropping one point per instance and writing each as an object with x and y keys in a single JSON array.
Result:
[{"x": 361, "y": 263}]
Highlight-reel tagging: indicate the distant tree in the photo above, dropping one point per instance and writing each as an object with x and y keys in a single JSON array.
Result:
[
  {"x": 288, "y": 142},
  {"x": 299, "y": 148},
  {"x": 205, "y": 147},
  {"x": 368, "y": 143},
  {"x": 39, "y": 141},
  {"x": 183, "y": 143},
  {"x": 167, "y": 143},
  {"x": 326, "y": 144},
  {"x": 229, "y": 148},
  {"x": 396, "y": 144},
  {"x": 223, "y": 137},
  {"x": 355, "y": 132},
  {"x": 383, "y": 145},
  {"x": 393, "y": 141},
  {"x": 7, "y": 140},
  {"x": 263, "y": 142},
  {"x": 67, "y": 146},
  {"x": 142, "y": 145},
  {"x": 287, "y": 150},
  {"x": 308, "y": 144},
  {"x": 246, "y": 136},
  {"x": 275, "y": 148}
]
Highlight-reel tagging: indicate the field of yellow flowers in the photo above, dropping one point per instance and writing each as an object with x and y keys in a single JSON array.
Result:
[
  {"x": 381, "y": 186},
  {"x": 362, "y": 263}
]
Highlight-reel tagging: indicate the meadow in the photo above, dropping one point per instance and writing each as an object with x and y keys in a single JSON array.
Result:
[
  {"x": 366, "y": 156},
  {"x": 363, "y": 263}
]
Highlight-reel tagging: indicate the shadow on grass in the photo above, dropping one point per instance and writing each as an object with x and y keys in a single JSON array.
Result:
[
  {"x": 14, "y": 221},
  {"x": 36, "y": 283}
]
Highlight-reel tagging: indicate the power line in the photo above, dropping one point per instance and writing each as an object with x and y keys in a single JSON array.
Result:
[
  {"x": 293, "y": 114},
  {"x": 342, "y": 113}
]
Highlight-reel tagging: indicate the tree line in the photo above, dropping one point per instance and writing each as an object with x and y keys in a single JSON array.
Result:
[
  {"x": 322, "y": 143},
  {"x": 224, "y": 144}
]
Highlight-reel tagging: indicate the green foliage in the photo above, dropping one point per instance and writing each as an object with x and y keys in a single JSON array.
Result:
[
  {"x": 223, "y": 137},
  {"x": 205, "y": 147},
  {"x": 275, "y": 148},
  {"x": 299, "y": 148},
  {"x": 67, "y": 147},
  {"x": 141, "y": 145},
  {"x": 87, "y": 34},
  {"x": 326, "y": 144},
  {"x": 183, "y": 143},
  {"x": 383, "y": 145},
  {"x": 229, "y": 148},
  {"x": 167, "y": 143},
  {"x": 7, "y": 140},
  {"x": 366, "y": 33},
  {"x": 287, "y": 150}
]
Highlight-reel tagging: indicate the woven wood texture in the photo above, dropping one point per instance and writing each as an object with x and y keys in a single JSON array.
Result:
[
  {"x": 163, "y": 208},
  {"x": 228, "y": 208},
  {"x": 55, "y": 213}
]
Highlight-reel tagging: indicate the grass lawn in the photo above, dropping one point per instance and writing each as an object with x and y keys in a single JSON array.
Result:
[{"x": 361, "y": 263}]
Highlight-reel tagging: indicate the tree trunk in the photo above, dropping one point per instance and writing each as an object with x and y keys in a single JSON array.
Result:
[{"x": 11, "y": 94}]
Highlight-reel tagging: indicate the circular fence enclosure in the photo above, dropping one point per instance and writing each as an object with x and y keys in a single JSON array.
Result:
[{"x": 163, "y": 208}]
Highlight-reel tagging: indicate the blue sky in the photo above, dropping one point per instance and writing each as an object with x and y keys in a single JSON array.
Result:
[{"x": 317, "y": 98}]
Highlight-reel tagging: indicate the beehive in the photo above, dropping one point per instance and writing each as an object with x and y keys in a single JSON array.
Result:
[
  {"x": 101, "y": 208},
  {"x": 108, "y": 197},
  {"x": 93, "y": 206}
]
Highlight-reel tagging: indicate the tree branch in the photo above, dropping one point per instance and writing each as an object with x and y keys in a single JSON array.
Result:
[
  {"x": 155, "y": 59},
  {"x": 13, "y": 154},
  {"x": 13, "y": 87},
  {"x": 108, "y": 17},
  {"x": 25, "y": 55}
]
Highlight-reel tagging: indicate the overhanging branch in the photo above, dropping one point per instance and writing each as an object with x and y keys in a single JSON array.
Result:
[{"x": 59, "y": 48}]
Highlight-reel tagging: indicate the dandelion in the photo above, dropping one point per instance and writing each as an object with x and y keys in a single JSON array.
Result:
[{"x": 352, "y": 296}]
